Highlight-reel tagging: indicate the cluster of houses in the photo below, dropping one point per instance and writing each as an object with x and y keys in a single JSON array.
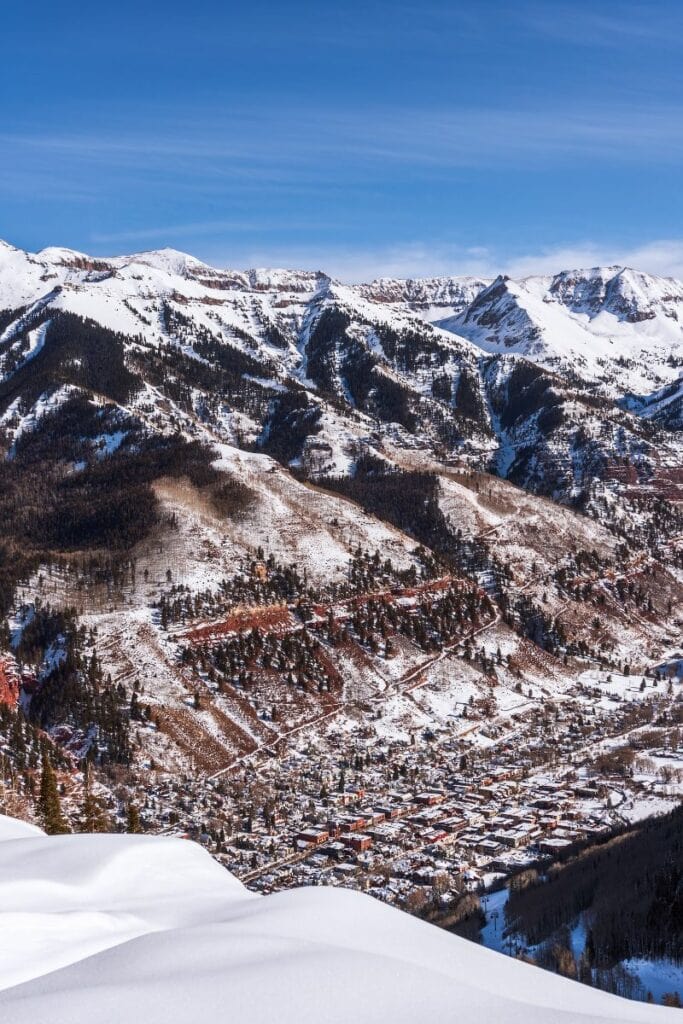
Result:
[
  {"x": 466, "y": 830},
  {"x": 417, "y": 822}
]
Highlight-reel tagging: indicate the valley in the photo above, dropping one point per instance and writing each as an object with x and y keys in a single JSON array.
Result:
[{"x": 347, "y": 597}]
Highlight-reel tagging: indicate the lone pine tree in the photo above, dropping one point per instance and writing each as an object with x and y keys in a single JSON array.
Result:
[{"x": 49, "y": 806}]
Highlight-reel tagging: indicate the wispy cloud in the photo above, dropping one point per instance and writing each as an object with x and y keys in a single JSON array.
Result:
[
  {"x": 273, "y": 147},
  {"x": 627, "y": 23},
  {"x": 663, "y": 257},
  {"x": 422, "y": 259},
  {"x": 201, "y": 229}
]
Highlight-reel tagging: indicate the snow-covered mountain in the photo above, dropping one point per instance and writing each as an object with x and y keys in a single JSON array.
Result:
[
  {"x": 111, "y": 928},
  {"x": 434, "y": 298},
  {"x": 615, "y": 327},
  {"x": 311, "y": 370},
  {"x": 250, "y": 533}
]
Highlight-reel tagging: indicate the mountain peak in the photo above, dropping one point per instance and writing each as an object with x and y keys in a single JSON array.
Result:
[{"x": 167, "y": 259}]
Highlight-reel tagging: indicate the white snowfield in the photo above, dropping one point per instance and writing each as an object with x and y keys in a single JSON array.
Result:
[
  {"x": 613, "y": 325},
  {"x": 113, "y": 929}
]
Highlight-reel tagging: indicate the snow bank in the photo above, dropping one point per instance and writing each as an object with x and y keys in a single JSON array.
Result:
[
  {"x": 129, "y": 928},
  {"x": 10, "y": 828}
]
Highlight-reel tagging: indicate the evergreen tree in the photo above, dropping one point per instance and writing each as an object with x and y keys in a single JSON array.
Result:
[
  {"x": 133, "y": 823},
  {"x": 49, "y": 806}
]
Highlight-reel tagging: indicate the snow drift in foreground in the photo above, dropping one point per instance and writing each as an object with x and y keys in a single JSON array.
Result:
[{"x": 131, "y": 928}]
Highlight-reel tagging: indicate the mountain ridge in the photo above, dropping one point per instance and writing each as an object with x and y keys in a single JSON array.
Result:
[
  {"x": 618, "y": 328},
  {"x": 366, "y": 353}
]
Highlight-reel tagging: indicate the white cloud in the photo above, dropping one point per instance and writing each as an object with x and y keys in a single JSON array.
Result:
[
  {"x": 420, "y": 259},
  {"x": 414, "y": 259},
  {"x": 198, "y": 229},
  {"x": 663, "y": 257}
]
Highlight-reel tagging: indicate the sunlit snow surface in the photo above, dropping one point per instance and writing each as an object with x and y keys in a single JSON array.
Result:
[{"x": 127, "y": 928}]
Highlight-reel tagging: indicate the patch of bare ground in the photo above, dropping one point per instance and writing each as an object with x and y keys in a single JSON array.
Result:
[
  {"x": 180, "y": 491},
  {"x": 610, "y": 623},
  {"x": 235, "y": 708},
  {"x": 275, "y": 619},
  {"x": 286, "y": 706},
  {"x": 206, "y": 752},
  {"x": 527, "y": 661}
]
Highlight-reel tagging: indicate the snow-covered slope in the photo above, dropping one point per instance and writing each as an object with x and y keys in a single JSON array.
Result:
[
  {"x": 664, "y": 406},
  {"x": 313, "y": 371},
  {"x": 126, "y": 928},
  {"x": 127, "y": 293},
  {"x": 12, "y": 828},
  {"x": 615, "y": 326}
]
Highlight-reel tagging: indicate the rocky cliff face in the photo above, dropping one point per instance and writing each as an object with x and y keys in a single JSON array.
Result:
[
  {"x": 432, "y": 297},
  {"x": 10, "y": 680}
]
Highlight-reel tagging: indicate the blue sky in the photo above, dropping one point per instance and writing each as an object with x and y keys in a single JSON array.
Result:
[{"x": 363, "y": 138}]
